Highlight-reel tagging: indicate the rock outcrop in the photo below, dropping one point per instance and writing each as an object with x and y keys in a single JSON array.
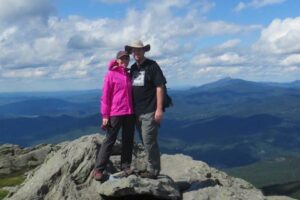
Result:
[
  {"x": 65, "y": 174},
  {"x": 202, "y": 182},
  {"x": 162, "y": 188},
  {"x": 13, "y": 158}
]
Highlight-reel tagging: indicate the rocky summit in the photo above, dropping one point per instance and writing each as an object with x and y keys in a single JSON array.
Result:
[
  {"x": 65, "y": 174},
  {"x": 14, "y": 158}
]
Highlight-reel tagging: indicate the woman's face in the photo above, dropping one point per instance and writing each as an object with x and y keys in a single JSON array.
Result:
[{"x": 124, "y": 60}]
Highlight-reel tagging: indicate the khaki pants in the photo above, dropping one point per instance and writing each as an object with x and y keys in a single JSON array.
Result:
[{"x": 148, "y": 129}]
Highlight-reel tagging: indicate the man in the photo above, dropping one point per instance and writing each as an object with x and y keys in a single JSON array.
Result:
[{"x": 148, "y": 92}]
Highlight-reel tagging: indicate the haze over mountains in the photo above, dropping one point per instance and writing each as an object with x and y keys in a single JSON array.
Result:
[{"x": 227, "y": 123}]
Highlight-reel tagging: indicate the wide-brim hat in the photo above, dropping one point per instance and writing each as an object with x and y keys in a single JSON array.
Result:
[{"x": 137, "y": 44}]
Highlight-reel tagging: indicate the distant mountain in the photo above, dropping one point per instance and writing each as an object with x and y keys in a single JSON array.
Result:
[
  {"x": 224, "y": 141},
  {"x": 47, "y": 106},
  {"x": 233, "y": 82},
  {"x": 278, "y": 176},
  {"x": 70, "y": 96},
  {"x": 236, "y": 97},
  {"x": 49, "y": 94},
  {"x": 240, "y": 85},
  {"x": 294, "y": 84},
  {"x": 237, "y": 85},
  {"x": 229, "y": 141},
  {"x": 227, "y": 123},
  {"x": 26, "y": 131}
]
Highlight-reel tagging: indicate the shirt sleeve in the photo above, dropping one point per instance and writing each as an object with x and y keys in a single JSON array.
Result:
[
  {"x": 158, "y": 77},
  {"x": 106, "y": 97}
]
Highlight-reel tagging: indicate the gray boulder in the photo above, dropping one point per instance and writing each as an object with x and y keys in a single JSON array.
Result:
[
  {"x": 13, "y": 158},
  {"x": 279, "y": 198},
  {"x": 65, "y": 174},
  {"x": 199, "y": 181},
  {"x": 161, "y": 188}
]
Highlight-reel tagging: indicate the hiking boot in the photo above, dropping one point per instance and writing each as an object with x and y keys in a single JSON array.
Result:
[
  {"x": 97, "y": 175},
  {"x": 147, "y": 174}
]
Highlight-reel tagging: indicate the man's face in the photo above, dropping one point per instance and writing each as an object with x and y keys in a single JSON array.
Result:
[{"x": 138, "y": 54}]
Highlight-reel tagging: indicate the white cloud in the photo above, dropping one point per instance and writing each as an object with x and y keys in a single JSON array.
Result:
[
  {"x": 79, "y": 48},
  {"x": 293, "y": 59},
  {"x": 262, "y": 3},
  {"x": 206, "y": 5},
  {"x": 280, "y": 37},
  {"x": 218, "y": 72},
  {"x": 24, "y": 73},
  {"x": 256, "y": 4},
  {"x": 7, "y": 33},
  {"x": 20, "y": 10},
  {"x": 292, "y": 69},
  {"x": 231, "y": 58},
  {"x": 229, "y": 44},
  {"x": 172, "y": 28},
  {"x": 240, "y": 6},
  {"x": 59, "y": 40},
  {"x": 224, "y": 59}
]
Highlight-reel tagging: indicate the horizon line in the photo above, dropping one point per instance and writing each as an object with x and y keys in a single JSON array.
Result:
[{"x": 177, "y": 87}]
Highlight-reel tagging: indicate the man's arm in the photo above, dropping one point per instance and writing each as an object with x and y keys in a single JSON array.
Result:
[{"x": 159, "y": 103}]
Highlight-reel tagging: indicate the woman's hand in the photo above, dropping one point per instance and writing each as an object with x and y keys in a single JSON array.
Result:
[{"x": 104, "y": 122}]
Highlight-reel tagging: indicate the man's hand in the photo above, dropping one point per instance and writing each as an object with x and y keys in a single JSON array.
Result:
[{"x": 158, "y": 116}]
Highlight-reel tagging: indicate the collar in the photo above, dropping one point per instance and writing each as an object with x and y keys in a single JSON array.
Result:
[{"x": 140, "y": 65}]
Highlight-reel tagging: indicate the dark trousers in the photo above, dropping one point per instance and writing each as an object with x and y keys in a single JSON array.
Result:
[{"x": 126, "y": 122}]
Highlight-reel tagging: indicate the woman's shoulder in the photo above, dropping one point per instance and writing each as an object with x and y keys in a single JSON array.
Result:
[
  {"x": 111, "y": 74},
  {"x": 108, "y": 75}
]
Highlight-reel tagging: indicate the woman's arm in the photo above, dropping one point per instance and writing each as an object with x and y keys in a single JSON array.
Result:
[{"x": 106, "y": 97}]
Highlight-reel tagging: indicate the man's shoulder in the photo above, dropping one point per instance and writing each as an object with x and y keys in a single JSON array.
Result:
[
  {"x": 150, "y": 62},
  {"x": 147, "y": 63}
]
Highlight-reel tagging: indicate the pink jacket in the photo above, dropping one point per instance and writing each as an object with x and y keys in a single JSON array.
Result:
[{"x": 117, "y": 92}]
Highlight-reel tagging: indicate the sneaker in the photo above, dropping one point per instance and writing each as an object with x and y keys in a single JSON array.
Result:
[
  {"x": 97, "y": 175},
  {"x": 147, "y": 174}
]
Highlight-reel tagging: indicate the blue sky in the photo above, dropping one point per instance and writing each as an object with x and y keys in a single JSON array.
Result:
[{"x": 66, "y": 44}]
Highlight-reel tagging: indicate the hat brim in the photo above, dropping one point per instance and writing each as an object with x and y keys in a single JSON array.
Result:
[{"x": 129, "y": 48}]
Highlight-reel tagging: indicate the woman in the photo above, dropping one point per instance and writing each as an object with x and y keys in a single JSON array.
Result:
[{"x": 117, "y": 112}]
